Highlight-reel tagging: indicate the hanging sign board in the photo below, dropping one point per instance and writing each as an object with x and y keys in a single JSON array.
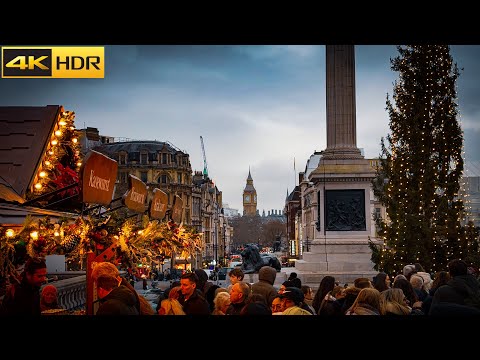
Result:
[
  {"x": 177, "y": 209},
  {"x": 135, "y": 197},
  {"x": 97, "y": 176},
  {"x": 158, "y": 206}
]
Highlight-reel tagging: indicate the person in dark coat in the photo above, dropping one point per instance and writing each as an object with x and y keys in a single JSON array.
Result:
[
  {"x": 23, "y": 298},
  {"x": 264, "y": 285},
  {"x": 327, "y": 284},
  {"x": 238, "y": 298},
  {"x": 462, "y": 289},
  {"x": 296, "y": 282},
  {"x": 108, "y": 269},
  {"x": 206, "y": 288},
  {"x": 115, "y": 299},
  {"x": 193, "y": 302}
]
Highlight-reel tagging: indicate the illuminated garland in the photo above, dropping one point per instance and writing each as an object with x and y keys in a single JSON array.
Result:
[
  {"x": 61, "y": 161},
  {"x": 76, "y": 237},
  {"x": 421, "y": 167}
]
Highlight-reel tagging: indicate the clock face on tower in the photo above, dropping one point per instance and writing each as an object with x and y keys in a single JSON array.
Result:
[{"x": 247, "y": 198}]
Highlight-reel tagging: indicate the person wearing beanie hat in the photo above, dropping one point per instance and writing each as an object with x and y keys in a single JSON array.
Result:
[{"x": 49, "y": 299}]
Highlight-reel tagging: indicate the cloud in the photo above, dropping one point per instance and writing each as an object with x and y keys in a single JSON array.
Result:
[{"x": 255, "y": 106}]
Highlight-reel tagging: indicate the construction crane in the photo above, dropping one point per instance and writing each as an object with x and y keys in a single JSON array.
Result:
[{"x": 205, "y": 169}]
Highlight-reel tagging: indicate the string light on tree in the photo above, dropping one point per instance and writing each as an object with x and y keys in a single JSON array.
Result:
[{"x": 421, "y": 157}]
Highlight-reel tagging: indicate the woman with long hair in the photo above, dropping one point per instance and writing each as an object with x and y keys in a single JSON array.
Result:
[
  {"x": 381, "y": 281},
  {"x": 393, "y": 302},
  {"x": 366, "y": 303},
  {"x": 327, "y": 284}
]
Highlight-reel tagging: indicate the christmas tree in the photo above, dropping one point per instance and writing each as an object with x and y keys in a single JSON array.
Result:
[{"x": 421, "y": 165}]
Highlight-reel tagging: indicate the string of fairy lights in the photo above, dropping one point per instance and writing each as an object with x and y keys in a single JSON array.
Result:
[
  {"x": 427, "y": 76},
  {"x": 63, "y": 141},
  {"x": 74, "y": 237}
]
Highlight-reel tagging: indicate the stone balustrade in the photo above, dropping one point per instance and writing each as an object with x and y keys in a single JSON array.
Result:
[
  {"x": 72, "y": 294},
  {"x": 72, "y": 288}
]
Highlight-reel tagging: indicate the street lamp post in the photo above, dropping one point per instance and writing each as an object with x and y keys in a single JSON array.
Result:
[{"x": 224, "y": 248}]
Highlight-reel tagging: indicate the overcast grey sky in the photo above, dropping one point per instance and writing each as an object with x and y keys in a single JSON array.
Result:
[{"x": 255, "y": 106}]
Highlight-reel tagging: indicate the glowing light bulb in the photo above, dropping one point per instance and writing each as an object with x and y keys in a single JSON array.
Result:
[
  {"x": 74, "y": 140},
  {"x": 54, "y": 142},
  {"x": 58, "y": 133},
  {"x": 62, "y": 123},
  {"x": 42, "y": 174},
  {"x": 10, "y": 233},
  {"x": 34, "y": 235},
  {"x": 38, "y": 186}
]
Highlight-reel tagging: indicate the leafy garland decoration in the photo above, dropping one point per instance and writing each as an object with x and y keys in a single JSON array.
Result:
[{"x": 76, "y": 237}]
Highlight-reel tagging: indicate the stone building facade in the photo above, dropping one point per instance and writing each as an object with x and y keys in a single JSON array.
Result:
[
  {"x": 163, "y": 166},
  {"x": 158, "y": 164}
]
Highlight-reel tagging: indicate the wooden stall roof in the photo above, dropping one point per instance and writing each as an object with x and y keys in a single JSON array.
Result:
[
  {"x": 14, "y": 215},
  {"x": 24, "y": 134}
]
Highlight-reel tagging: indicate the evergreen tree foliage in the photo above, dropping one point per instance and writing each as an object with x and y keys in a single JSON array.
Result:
[{"x": 421, "y": 165}]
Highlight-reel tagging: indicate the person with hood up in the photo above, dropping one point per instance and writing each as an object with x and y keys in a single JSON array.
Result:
[
  {"x": 264, "y": 285},
  {"x": 207, "y": 288}
]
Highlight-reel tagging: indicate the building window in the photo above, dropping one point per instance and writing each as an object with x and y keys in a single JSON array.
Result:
[
  {"x": 123, "y": 177},
  {"x": 122, "y": 159},
  {"x": 164, "y": 158},
  {"x": 163, "y": 179},
  {"x": 179, "y": 178},
  {"x": 143, "y": 176},
  {"x": 144, "y": 158}
]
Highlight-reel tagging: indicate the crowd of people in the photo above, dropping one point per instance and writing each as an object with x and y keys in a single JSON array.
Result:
[{"x": 455, "y": 291}]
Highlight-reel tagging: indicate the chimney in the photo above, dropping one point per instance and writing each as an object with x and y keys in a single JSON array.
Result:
[{"x": 92, "y": 134}]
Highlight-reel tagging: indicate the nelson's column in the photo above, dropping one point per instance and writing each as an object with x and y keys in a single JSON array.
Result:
[{"x": 342, "y": 183}]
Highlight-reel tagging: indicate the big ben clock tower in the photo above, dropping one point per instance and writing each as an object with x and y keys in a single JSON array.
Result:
[{"x": 249, "y": 197}]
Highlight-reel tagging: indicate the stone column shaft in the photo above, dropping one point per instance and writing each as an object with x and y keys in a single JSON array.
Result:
[{"x": 341, "y": 112}]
